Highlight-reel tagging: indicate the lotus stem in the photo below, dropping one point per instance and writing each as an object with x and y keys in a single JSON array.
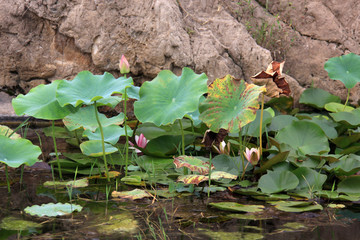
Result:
[
  {"x": 241, "y": 150},
  {"x": 183, "y": 144},
  {"x": 210, "y": 162},
  {"x": 102, "y": 142},
  {"x": 261, "y": 120},
  {"x": 55, "y": 148},
  {"x": 126, "y": 136},
  {"x": 347, "y": 98},
  {"x": 243, "y": 173},
  {"x": 7, "y": 178}
]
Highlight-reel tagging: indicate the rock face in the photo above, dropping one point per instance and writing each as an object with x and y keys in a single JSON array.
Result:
[{"x": 41, "y": 41}]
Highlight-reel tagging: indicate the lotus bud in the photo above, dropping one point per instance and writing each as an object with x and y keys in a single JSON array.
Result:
[
  {"x": 252, "y": 155},
  {"x": 141, "y": 141},
  {"x": 223, "y": 148},
  {"x": 124, "y": 65}
]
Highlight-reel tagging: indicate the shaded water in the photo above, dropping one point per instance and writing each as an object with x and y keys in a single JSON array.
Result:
[{"x": 184, "y": 217}]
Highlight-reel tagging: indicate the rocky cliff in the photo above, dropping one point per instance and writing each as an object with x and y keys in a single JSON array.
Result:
[{"x": 44, "y": 40}]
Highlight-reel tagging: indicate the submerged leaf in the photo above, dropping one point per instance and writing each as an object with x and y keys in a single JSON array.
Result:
[{"x": 230, "y": 104}]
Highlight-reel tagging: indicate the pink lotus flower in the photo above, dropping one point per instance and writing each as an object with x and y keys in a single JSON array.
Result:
[
  {"x": 223, "y": 148},
  {"x": 141, "y": 142},
  {"x": 252, "y": 155},
  {"x": 124, "y": 65}
]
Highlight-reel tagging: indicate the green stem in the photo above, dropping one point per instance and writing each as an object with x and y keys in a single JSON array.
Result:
[
  {"x": 347, "y": 98},
  {"x": 126, "y": 136},
  {"x": 102, "y": 142},
  {"x": 7, "y": 178},
  {"x": 56, "y": 151},
  {"x": 210, "y": 162},
  {"x": 241, "y": 150},
  {"x": 243, "y": 173},
  {"x": 261, "y": 120},
  {"x": 183, "y": 144}
]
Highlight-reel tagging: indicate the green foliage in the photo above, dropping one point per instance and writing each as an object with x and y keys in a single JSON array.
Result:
[
  {"x": 317, "y": 98},
  {"x": 274, "y": 181},
  {"x": 169, "y": 97},
  {"x": 230, "y": 104},
  {"x": 52, "y": 210}
]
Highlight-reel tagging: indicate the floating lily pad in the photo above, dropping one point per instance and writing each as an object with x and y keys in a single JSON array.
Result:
[
  {"x": 237, "y": 207},
  {"x": 75, "y": 184},
  {"x": 132, "y": 195},
  {"x": 13, "y": 223},
  {"x": 123, "y": 223},
  {"x": 230, "y": 104},
  {"x": 15, "y": 152},
  {"x": 298, "y": 206},
  {"x": 52, "y": 209},
  {"x": 169, "y": 97},
  {"x": 216, "y": 175},
  {"x": 192, "y": 163},
  {"x": 274, "y": 181},
  {"x": 211, "y": 189},
  {"x": 231, "y": 235}
]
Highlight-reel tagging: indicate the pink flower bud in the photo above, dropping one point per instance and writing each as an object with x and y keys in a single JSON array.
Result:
[
  {"x": 252, "y": 155},
  {"x": 141, "y": 141},
  {"x": 124, "y": 65}
]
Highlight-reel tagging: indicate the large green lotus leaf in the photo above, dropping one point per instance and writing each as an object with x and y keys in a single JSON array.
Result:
[
  {"x": 192, "y": 163},
  {"x": 237, "y": 207},
  {"x": 350, "y": 185},
  {"x": 304, "y": 137},
  {"x": 344, "y": 68},
  {"x": 280, "y": 157},
  {"x": 309, "y": 179},
  {"x": 352, "y": 118},
  {"x": 317, "y": 97},
  {"x": 164, "y": 146},
  {"x": 230, "y": 104},
  {"x": 327, "y": 125},
  {"x": 85, "y": 118},
  {"x": 252, "y": 129},
  {"x": 93, "y": 148},
  {"x": 41, "y": 103},
  {"x": 15, "y": 152},
  {"x": 194, "y": 116},
  {"x": 232, "y": 165},
  {"x": 346, "y": 140},
  {"x": 169, "y": 97},
  {"x": 346, "y": 166},
  {"x": 6, "y": 131},
  {"x": 52, "y": 210},
  {"x": 112, "y": 133},
  {"x": 337, "y": 107},
  {"x": 152, "y": 131},
  {"x": 154, "y": 164},
  {"x": 289, "y": 207},
  {"x": 13, "y": 223},
  {"x": 86, "y": 88},
  {"x": 280, "y": 121},
  {"x": 274, "y": 182}
]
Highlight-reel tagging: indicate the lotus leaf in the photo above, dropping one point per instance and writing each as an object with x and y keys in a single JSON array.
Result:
[
  {"x": 169, "y": 97},
  {"x": 344, "y": 68},
  {"x": 13, "y": 223},
  {"x": 216, "y": 175},
  {"x": 237, "y": 207},
  {"x": 74, "y": 184},
  {"x": 112, "y": 133},
  {"x": 41, "y": 103},
  {"x": 253, "y": 128},
  {"x": 93, "y": 148},
  {"x": 192, "y": 179},
  {"x": 346, "y": 166},
  {"x": 327, "y": 125},
  {"x": 220, "y": 235},
  {"x": 317, "y": 97},
  {"x": 192, "y": 163},
  {"x": 230, "y": 104},
  {"x": 347, "y": 140},
  {"x": 309, "y": 179},
  {"x": 298, "y": 206},
  {"x": 132, "y": 195},
  {"x": 85, "y": 118},
  {"x": 350, "y": 185},
  {"x": 123, "y": 223},
  {"x": 15, "y": 152},
  {"x": 280, "y": 157},
  {"x": 352, "y": 118},
  {"x": 304, "y": 137},
  {"x": 280, "y": 121},
  {"x": 337, "y": 107},
  {"x": 87, "y": 88},
  {"x": 154, "y": 164},
  {"x": 6, "y": 131},
  {"x": 274, "y": 181},
  {"x": 232, "y": 165},
  {"x": 52, "y": 209}
]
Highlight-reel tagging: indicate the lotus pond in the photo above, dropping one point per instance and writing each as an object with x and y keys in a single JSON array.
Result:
[{"x": 196, "y": 161}]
